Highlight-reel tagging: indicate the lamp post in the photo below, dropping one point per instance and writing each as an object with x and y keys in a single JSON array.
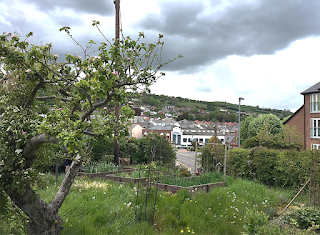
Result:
[{"x": 240, "y": 98}]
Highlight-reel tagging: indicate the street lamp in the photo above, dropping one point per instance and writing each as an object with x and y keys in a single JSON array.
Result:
[{"x": 240, "y": 98}]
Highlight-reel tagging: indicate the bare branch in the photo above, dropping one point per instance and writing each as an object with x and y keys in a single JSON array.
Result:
[
  {"x": 66, "y": 184},
  {"x": 102, "y": 34}
]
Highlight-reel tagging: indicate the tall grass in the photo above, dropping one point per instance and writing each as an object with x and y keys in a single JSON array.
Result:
[
  {"x": 96, "y": 167},
  {"x": 211, "y": 177},
  {"x": 105, "y": 207}
]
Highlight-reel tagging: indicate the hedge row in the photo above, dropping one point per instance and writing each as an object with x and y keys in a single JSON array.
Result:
[{"x": 269, "y": 166}]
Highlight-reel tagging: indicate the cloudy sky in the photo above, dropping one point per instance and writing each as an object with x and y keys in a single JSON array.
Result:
[{"x": 267, "y": 51}]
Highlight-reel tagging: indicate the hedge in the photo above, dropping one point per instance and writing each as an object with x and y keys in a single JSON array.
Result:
[{"x": 269, "y": 166}]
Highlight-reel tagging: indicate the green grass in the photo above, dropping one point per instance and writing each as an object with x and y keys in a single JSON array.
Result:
[
  {"x": 105, "y": 207},
  {"x": 212, "y": 177},
  {"x": 100, "y": 167}
]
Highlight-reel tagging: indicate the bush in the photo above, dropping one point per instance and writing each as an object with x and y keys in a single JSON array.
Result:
[
  {"x": 237, "y": 159},
  {"x": 270, "y": 166},
  {"x": 147, "y": 149},
  {"x": 253, "y": 220},
  {"x": 272, "y": 143},
  {"x": 285, "y": 230},
  {"x": 305, "y": 217},
  {"x": 212, "y": 155},
  {"x": 100, "y": 147}
]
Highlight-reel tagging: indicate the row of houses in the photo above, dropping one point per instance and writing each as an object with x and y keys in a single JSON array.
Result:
[{"x": 182, "y": 133}]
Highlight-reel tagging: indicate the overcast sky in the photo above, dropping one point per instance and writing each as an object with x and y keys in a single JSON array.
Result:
[{"x": 266, "y": 51}]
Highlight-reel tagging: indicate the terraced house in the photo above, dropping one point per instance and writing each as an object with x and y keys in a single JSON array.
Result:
[{"x": 307, "y": 118}]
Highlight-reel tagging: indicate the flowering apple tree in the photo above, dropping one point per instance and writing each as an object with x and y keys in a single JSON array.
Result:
[{"x": 50, "y": 107}]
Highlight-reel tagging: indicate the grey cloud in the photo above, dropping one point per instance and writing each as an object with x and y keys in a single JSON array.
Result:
[
  {"x": 245, "y": 29},
  {"x": 100, "y": 7}
]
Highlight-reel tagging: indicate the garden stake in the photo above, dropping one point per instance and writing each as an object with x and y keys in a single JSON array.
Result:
[{"x": 297, "y": 194}]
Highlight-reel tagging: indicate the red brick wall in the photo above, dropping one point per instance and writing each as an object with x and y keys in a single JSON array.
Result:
[
  {"x": 297, "y": 121},
  {"x": 308, "y": 116}
]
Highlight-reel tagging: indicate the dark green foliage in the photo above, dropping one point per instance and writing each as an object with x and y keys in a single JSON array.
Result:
[
  {"x": 274, "y": 135},
  {"x": 147, "y": 149},
  {"x": 269, "y": 166},
  {"x": 185, "y": 115},
  {"x": 237, "y": 163},
  {"x": 251, "y": 143},
  {"x": 271, "y": 229},
  {"x": 271, "y": 143},
  {"x": 269, "y": 124},
  {"x": 304, "y": 216},
  {"x": 212, "y": 155},
  {"x": 213, "y": 107},
  {"x": 100, "y": 147},
  {"x": 254, "y": 220},
  {"x": 210, "y": 106},
  {"x": 151, "y": 101}
]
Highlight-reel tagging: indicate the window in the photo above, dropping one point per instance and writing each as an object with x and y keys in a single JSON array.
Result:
[
  {"x": 314, "y": 128},
  {"x": 200, "y": 140},
  {"x": 315, "y": 103},
  {"x": 184, "y": 139},
  {"x": 315, "y": 146},
  {"x": 189, "y": 140}
]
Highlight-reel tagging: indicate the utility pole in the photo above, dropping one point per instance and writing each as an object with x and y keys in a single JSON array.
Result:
[
  {"x": 240, "y": 98},
  {"x": 116, "y": 108}
]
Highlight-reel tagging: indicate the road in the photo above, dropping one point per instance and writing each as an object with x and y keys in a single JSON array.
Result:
[{"x": 186, "y": 159}]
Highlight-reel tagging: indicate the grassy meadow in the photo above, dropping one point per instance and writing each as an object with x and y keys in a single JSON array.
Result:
[{"x": 105, "y": 207}]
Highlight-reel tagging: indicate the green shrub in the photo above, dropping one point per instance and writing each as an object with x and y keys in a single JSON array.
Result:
[
  {"x": 304, "y": 216},
  {"x": 147, "y": 149},
  {"x": 237, "y": 159},
  {"x": 254, "y": 219},
  {"x": 212, "y": 155},
  {"x": 270, "y": 166},
  {"x": 285, "y": 230}
]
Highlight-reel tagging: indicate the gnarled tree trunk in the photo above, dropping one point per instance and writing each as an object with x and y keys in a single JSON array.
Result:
[{"x": 44, "y": 217}]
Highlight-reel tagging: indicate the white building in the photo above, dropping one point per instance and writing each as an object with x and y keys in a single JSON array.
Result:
[{"x": 184, "y": 137}]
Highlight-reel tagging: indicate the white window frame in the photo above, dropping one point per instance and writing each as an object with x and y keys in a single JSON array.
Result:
[
  {"x": 315, "y": 103},
  {"x": 315, "y": 146},
  {"x": 315, "y": 128}
]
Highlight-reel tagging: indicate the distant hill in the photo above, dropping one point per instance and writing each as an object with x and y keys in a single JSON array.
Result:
[{"x": 160, "y": 101}]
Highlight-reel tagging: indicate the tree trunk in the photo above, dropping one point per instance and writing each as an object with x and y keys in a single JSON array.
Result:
[{"x": 44, "y": 218}]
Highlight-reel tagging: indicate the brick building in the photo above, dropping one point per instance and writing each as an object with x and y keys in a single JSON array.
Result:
[{"x": 307, "y": 118}]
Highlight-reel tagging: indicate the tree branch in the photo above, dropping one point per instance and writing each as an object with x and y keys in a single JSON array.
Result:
[
  {"x": 89, "y": 133},
  {"x": 34, "y": 92},
  {"x": 95, "y": 106},
  {"x": 66, "y": 184},
  {"x": 46, "y": 97},
  {"x": 30, "y": 148},
  {"x": 67, "y": 81}
]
